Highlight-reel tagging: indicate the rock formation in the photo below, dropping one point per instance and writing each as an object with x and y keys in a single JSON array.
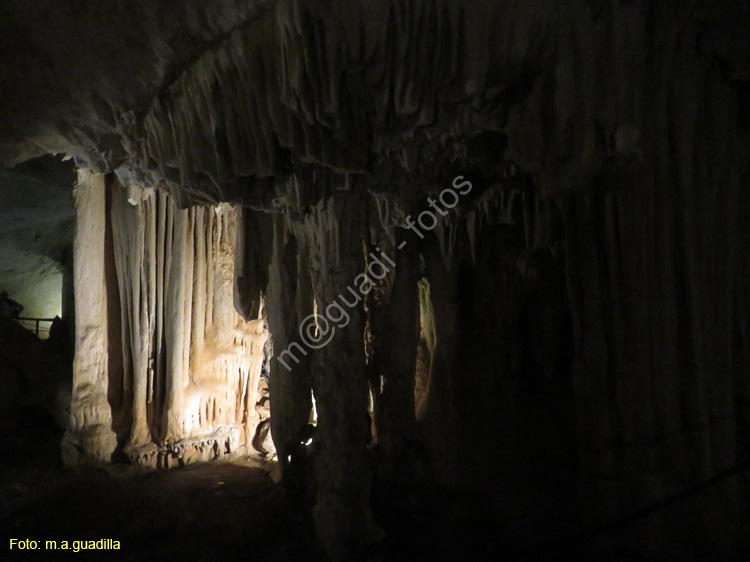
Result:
[
  {"x": 176, "y": 370},
  {"x": 558, "y": 194}
]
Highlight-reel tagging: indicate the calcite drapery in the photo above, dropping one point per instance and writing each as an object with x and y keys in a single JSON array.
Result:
[{"x": 183, "y": 385}]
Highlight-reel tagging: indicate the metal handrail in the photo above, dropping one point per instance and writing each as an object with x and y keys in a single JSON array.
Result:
[{"x": 36, "y": 322}]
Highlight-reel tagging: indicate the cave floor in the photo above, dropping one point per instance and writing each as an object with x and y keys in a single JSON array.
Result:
[
  {"x": 208, "y": 511},
  {"x": 225, "y": 510},
  {"x": 200, "y": 512}
]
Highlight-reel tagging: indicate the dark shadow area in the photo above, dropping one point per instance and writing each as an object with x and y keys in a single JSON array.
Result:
[{"x": 208, "y": 511}]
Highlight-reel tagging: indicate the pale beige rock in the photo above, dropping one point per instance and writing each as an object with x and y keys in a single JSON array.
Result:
[
  {"x": 90, "y": 435},
  {"x": 184, "y": 381}
]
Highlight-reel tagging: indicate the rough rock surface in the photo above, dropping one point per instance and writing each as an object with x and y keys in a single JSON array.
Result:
[{"x": 36, "y": 234}]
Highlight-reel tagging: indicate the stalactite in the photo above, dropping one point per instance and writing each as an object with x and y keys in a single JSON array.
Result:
[
  {"x": 287, "y": 84},
  {"x": 252, "y": 259}
]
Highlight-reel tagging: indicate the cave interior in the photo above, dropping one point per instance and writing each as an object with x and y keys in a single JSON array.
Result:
[{"x": 378, "y": 280}]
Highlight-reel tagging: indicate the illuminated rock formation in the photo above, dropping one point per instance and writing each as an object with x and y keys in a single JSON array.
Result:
[
  {"x": 90, "y": 435},
  {"x": 182, "y": 368}
]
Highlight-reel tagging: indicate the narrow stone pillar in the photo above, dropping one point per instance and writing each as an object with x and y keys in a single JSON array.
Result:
[
  {"x": 440, "y": 408},
  {"x": 90, "y": 436},
  {"x": 395, "y": 326},
  {"x": 289, "y": 385},
  {"x": 178, "y": 330},
  {"x": 334, "y": 238}
]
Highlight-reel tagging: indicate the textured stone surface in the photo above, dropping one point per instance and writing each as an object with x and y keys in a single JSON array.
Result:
[
  {"x": 182, "y": 367},
  {"x": 90, "y": 434}
]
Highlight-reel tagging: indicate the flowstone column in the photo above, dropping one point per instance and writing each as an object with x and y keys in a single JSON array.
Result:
[
  {"x": 334, "y": 240},
  {"x": 395, "y": 327},
  {"x": 290, "y": 379},
  {"x": 90, "y": 436}
]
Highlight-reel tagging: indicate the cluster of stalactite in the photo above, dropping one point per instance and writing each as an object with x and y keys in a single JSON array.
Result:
[
  {"x": 577, "y": 324},
  {"x": 304, "y": 83},
  {"x": 183, "y": 367}
]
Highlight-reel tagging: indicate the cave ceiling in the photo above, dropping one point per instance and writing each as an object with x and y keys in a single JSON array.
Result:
[{"x": 243, "y": 100}]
